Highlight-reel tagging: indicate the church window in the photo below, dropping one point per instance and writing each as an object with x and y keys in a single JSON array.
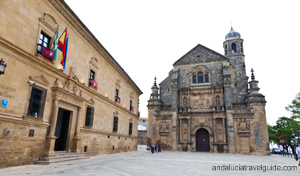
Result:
[
  {"x": 37, "y": 102},
  {"x": 242, "y": 47},
  {"x": 233, "y": 47},
  {"x": 130, "y": 128},
  {"x": 194, "y": 79},
  {"x": 115, "y": 126},
  {"x": 226, "y": 49},
  {"x": 206, "y": 78},
  {"x": 200, "y": 77},
  {"x": 89, "y": 116}
]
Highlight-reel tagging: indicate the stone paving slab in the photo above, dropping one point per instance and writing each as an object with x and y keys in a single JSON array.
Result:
[{"x": 165, "y": 163}]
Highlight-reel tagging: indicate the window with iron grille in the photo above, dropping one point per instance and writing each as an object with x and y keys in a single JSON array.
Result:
[
  {"x": 115, "y": 127},
  {"x": 89, "y": 116},
  {"x": 130, "y": 128},
  {"x": 37, "y": 102}
]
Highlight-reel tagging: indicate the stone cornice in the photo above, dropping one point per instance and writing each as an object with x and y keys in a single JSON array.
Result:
[
  {"x": 71, "y": 17},
  {"x": 19, "y": 120},
  {"x": 91, "y": 130}
]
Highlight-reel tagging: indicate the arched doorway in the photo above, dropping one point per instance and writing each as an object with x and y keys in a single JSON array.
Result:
[{"x": 202, "y": 140}]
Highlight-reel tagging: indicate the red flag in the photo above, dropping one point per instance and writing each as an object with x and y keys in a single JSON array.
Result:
[{"x": 47, "y": 53}]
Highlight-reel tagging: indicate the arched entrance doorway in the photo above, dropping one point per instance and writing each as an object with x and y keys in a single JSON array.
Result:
[{"x": 202, "y": 140}]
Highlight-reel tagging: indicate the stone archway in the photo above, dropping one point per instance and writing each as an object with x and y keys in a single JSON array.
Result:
[{"x": 202, "y": 140}]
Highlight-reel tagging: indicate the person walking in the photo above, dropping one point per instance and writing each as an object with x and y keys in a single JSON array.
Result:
[
  {"x": 159, "y": 148},
  {"x": 298, "y": 153},
  {"x": 152, "y": 147},
  {"x": 155, "y": 148}
]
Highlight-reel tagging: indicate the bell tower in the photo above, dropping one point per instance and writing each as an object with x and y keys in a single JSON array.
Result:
[{"x": 233, "y": 49}]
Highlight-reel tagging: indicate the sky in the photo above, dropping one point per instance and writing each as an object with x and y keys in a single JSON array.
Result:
[{"x": 147, "y": 37}]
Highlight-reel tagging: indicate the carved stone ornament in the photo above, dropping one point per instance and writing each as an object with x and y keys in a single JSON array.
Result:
[
  {"x": 56, "y": 84},
  {"x": 118, "y": 83},
  {"x": 116, "y": 113},
  {"x": 66, "y": 85},
  {"x": 90, "y": 101},
  {"x": 39, "y": 78},
  {"x": 131, "y": 95},
  {"x": 94, "y": 62},
  {"x": 49, "y": 21},
  {"x": 184, "y": 102},
  {"x": 63, "y": 95},
  {"x": 201, "y": 103},
  {"x": 164, "y": 126},
  {"x": 243, "y": 125},
  {"x": 227, "y": 81}
]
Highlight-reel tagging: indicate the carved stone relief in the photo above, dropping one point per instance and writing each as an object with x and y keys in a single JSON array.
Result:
[
  {"x": 243, "y": 125},
  {"x": 184, "y": 102},
  {"x": 164, "y": 126},
  {"x": 39, "y": 78},
  {"x": 94, "y": 62},
  {"x": 201, "y": 103}
]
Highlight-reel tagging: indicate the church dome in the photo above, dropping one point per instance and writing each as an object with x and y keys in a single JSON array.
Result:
[{"x": 232, "y": 34}]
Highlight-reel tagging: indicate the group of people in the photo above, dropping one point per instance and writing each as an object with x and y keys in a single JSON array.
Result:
[{"x": 154, "y": 147}]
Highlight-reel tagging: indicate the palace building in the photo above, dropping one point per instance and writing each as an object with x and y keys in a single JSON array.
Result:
[
  {"x": 207, "y": 104},
  {"x": 83, "y": 104}
]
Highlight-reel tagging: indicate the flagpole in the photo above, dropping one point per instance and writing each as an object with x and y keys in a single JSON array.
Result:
[
  {"x": 54, "y": 35},
  {"x": 62, "y": 33}
]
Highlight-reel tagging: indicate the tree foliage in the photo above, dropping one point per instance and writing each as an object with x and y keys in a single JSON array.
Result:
[
  {"x": 286, "y": 125},
  {"x": 294, "y": 107}
]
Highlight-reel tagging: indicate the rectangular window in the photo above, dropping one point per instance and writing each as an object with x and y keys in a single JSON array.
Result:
[
  {"x": 89, "y": 116},
  {"x": 37, "y": 102},
  {"x": 117, "y": 98},
  {"x": 130, "y": 128},
  {"x": 115, "y": 127},
  {"x": 130, "y": 107},
  {"x": 92, "y": 75}
]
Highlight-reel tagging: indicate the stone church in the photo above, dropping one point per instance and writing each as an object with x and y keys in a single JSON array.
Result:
[{"x": 207, "y": 104}]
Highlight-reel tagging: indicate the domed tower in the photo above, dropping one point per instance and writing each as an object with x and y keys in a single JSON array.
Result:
[{"x": 233, "y": 49}]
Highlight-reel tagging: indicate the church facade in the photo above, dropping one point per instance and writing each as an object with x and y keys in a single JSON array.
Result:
[{"x": 207, "y": 104}]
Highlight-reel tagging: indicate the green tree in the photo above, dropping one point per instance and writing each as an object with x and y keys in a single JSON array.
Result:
[
  {"x": 294, "y": 107},
  {"x": 284, "y": 127}
]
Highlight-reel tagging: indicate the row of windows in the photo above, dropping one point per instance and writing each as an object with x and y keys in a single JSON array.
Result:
[
  {"x": 37, "y": 102},
  {"x": 200, "y": 78}
]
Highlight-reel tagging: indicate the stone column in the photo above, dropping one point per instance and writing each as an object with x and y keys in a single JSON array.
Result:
[
  {"x": 180, "y": 130},
  {"x": 189, "y": 129},
  {"x": 53, "y": 118},
  {"x": 224, "y": 130},
  {"x": 77, "y": 138},
  {"x": 50, "y": 139}
]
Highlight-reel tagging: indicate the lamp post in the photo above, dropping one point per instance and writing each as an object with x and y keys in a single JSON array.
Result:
[{"x": 2, "y": 66}]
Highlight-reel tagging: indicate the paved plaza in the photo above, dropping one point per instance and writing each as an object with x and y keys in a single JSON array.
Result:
[{"x": 142, "y": 163}]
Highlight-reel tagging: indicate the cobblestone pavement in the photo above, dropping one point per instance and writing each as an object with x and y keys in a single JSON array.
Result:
[{"x": 164, "y": 163}]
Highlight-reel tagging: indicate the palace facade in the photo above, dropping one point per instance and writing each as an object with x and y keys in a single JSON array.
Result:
[{"x": 90, "y": 107}]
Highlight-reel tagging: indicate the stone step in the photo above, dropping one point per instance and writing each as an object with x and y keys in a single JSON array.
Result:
[{"x": 60, "y": 156}]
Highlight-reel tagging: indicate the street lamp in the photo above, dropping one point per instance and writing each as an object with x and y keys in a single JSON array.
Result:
[{"x": 2, "y": 66}]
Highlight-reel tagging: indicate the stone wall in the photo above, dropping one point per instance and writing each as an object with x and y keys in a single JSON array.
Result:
[{"x": 22, "y": 22}]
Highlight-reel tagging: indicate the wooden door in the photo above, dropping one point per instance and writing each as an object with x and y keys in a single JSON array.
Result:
[{"x": 202, "y": 140}]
